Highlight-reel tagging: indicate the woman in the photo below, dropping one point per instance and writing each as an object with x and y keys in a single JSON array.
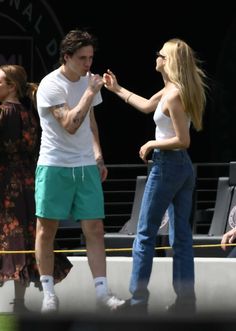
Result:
[
  {"x": 171, "y": 181},
  {"x": 19, "y": 145}
]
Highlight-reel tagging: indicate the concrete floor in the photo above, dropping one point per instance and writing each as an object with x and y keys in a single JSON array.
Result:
[{"x": 215, "y": 286}]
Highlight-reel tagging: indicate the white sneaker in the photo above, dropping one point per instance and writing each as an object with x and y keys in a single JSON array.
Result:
[
  {"x": 110, "y": 302},
  {"x": 50, "y": 303}
]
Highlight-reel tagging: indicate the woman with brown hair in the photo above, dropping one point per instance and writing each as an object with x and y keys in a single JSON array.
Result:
[{"x": 19, "y": 146}]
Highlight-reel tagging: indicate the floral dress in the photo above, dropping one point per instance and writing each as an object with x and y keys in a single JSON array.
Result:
[{"x": 19, "y": 141}]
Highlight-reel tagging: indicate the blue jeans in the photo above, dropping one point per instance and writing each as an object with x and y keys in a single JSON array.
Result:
[{"x": 170, "y": 183}]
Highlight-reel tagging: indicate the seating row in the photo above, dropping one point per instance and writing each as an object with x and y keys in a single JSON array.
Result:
[{"x": 205, "y": 245}]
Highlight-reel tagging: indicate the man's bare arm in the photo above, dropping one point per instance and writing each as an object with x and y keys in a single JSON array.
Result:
[{"x": 71, "y": 119}]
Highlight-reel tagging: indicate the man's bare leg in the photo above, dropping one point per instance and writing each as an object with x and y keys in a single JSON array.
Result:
[
  {"x": 94, "y": 234},
  {"x": 44, "y": 246}
]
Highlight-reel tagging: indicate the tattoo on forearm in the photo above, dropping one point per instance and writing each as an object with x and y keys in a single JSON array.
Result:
[
  {"x": 79, "y": 118},
  {"x": 61, "y": 112}
]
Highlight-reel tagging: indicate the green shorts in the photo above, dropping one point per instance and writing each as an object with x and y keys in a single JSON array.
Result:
[{"x": 62, "y": 192}]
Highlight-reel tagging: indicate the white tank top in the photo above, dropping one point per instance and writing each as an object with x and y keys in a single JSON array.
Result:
[{"x": 164, "y": 125}]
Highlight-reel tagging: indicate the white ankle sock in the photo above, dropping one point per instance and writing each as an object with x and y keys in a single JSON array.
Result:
[
  {"x": 47, "y": 282},
  {"x": 101, "y": 287}
]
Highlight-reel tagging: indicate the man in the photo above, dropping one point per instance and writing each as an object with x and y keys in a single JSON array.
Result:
[{"x": 70, "y": 167}]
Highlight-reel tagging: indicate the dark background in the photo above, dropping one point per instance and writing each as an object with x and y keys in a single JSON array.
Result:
[{"x": 129, "y": 33}]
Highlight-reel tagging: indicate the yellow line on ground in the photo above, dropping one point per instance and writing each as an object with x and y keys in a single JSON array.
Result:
[{"x": 111, "y": 249}]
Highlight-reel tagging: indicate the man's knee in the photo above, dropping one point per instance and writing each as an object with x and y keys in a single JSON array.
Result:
[
  {"x": 46, "y": 229},
  {"x": 93, "y": 229}
]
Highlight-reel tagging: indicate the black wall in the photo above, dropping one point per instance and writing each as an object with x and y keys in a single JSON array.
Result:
[{"x": 129, "y": 33}]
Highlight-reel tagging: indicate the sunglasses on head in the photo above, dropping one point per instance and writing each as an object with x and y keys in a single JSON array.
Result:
[{"x": 160, "y": 55}]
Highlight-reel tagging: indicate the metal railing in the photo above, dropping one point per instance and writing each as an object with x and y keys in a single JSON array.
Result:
[
  {"x": 120, "y": 186},
  {"x": 119, "y": 190}
]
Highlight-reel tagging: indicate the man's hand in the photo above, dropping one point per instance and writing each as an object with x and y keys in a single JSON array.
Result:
[
  {"x": 228, "y": 238},
  {"x": 95, "y": 83}
]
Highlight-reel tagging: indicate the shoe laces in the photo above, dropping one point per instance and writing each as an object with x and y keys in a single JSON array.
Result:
[
  {"x": 50, "y": 303},
  {"x": 111, "y": 302}
]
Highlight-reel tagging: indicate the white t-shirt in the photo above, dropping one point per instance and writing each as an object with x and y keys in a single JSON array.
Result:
[{"x": 58, "y": 147}]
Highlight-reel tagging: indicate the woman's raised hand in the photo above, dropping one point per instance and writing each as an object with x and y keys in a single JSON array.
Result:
[{"x": 110, "y": 81}]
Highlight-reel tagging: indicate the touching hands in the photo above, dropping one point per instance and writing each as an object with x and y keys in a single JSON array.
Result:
[
  {"x": 110, "y": 81},
  {"x": 95, "y": 82}
]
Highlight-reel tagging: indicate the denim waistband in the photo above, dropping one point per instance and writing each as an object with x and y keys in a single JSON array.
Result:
[{"x": 179, "y": 154}]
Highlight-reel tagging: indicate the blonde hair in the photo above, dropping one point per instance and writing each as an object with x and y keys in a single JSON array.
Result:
[{"x": 183, "y": 70}]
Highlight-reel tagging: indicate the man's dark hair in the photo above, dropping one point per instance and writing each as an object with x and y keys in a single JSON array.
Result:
[{"x": 74, "y": 40}]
